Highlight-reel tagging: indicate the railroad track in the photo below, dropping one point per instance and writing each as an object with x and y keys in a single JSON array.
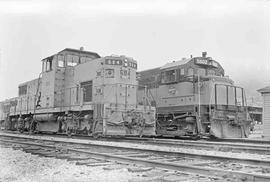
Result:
[
  {"x": 246, "y": 169},
  {"x": 261, "y": 148},
  {"x": 243, "y": 140},
  {"x": 233, "y": 145}
]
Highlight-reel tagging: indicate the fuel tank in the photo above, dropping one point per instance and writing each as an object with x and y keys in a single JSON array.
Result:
[{"x": 45, "y": 117}]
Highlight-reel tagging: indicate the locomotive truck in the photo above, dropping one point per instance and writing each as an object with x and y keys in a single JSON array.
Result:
[
  {"x": 193, "y": 98},
  {"x": 80, "y": 92}
]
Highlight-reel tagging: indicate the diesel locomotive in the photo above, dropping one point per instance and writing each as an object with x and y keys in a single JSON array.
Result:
[
  {"x": 194, "y": 98},
  {"x": 81, "y": 92}
]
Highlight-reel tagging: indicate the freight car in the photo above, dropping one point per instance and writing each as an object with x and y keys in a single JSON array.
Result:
[
  {"x": 194, "y": 98},
  {"x": 80, "y": 92}
]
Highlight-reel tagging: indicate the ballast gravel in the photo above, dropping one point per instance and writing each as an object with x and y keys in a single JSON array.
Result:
[{"x": 18, "y": 166}]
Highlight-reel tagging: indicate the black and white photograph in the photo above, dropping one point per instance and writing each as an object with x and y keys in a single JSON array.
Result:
[{"x": 134, "y": 90}]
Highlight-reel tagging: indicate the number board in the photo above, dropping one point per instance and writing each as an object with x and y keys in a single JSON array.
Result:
[
  {"x": 119, "y": 62},
  {"x": 202, "y": 61},
  {"x": 206, "y": 62},
  {"x": 113, "y": 62},
  {"x": 132, "y": 65}
]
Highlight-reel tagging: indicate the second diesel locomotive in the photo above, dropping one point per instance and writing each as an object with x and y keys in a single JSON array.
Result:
[
  {"x": 80, "y": 92},
  {"x": 193, "y": 98}
]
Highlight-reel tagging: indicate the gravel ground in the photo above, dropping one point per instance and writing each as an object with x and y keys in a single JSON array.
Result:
[{"x": 18, "y": 166}]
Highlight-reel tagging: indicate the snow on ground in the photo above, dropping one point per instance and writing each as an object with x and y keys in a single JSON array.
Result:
[{"x": 18, "y": 166}]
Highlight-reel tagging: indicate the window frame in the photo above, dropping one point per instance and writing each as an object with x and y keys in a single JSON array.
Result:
[
  {"x": 164, "y": 76},
  {"x": 83, "y": 85},
  {"x": 22, "y": 90},
  {"x": 44, "y": 66},
  {"x": 180, "y": 71},
  {"x": 228, "y": 106},
  {"x": 192, "y": 71},
  {"x": 72, "y": 63},
  {"x": 211, "y": 72},
  {"x": 62, "y": 60},
  {"x": 201, "y": 69},
  {"x": 48, "y": 65}
]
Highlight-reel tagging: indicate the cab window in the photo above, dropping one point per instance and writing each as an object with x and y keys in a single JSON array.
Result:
[
  {"x": 85, "y": 59},
  {"x": 201, "y": 72},
  {"x": 43, "y": 66},
  {"x": 221, "y": 94},
  {"x": 87, "y": 91},
  {"x": 72, "y": 60},
  {"x": 211, "y": 72},
  {"x": 231, "y": 96},
  {"x": 22, "y": 90},
  {"x": 61, "y": 61},
  {"x": 82, "y": 59},
  {"x": 168, "y": 76},
  {"x": 190, "y": 71},
  {"x": 239, "y": 96},
  {"x": 47, "y": 65},
  {"x": 182, "y": 71}
]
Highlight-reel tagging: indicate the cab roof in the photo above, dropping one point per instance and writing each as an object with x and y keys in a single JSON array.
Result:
[
  {"x": 81, "y": 51},
  {"x": 77, "y": 51},
  {"x": 175, "y": 63}
]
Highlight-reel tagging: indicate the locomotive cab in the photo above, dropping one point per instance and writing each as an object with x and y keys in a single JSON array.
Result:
[{"x": 194, "y": 98}]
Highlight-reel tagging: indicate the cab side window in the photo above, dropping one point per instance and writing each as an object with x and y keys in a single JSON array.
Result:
[
  {"x": 190, "y": 71},
  {"x": 211, "y": 72},
  {"x": 61, "y": 61},
  {"x": 87, "y": 91},
  {"x": 85, "y": 59},
  {"x": 22, "y": 90},
  {"x": 47, "y": 65},
  {"x": 182, "y": 71},
  {"x": 72, "y": 60},
  {"x": 168, "y": 76},
  {"x": 201, "y": 72},
  {"x": 43, "y": 66}
]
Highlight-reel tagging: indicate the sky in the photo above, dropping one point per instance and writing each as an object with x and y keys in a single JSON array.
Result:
[{"x": 236, "y": 33}]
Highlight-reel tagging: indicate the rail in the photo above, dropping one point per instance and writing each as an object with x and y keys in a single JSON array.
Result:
[{"x": 133, "y": 153}]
